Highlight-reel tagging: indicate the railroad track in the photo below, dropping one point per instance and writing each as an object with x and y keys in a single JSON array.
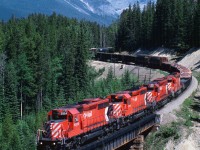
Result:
[{"x": 121, "y": 116}]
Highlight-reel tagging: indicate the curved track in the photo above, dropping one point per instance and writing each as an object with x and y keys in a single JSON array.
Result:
[
  {"x": 131, "y": 106},
  {"x": 167, "y": 110}
]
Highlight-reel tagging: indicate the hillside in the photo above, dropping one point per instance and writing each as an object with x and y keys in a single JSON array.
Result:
[{"x": 192, "y": 59}]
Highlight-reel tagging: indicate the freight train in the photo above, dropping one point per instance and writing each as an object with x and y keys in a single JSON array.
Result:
[{"x": 71, "y": 126}]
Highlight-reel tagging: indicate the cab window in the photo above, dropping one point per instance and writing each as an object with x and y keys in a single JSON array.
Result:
[
  {"x": 157, "y": 90},
  {"x": 143, "y": 92},
  {"x": 127, "y": 102},
  {"x": 70, "y": 118},
  {"x": 57, "y": 116}
]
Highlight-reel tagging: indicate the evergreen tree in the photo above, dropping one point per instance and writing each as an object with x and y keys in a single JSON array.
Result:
[
  {"x": 25, "y": 79},
  {"x": 196, "y": 30},
  {"x": 179, "y": 23},
  {"x": 54, "y": 73},
  {"x": 81, "y": 60},
  {"x": 7, "y": 129},
  {"x": 61, "y": 101},
  {"x": 1, "y": 39},
  {"x": 147, "y": 23},
  {"x": 126, "y": 79},
  {"x": 110, "y": 75},
  {"x": 2, "y": 85},
  {"x": 15, "y": 142},
  {"x": 26, "y": 136},
  {"x": 188, "y": 17},
  {"x": 122, "y": 32},
  {"x": 67, "y": 80},
  {"x": 11, "y": 83}
]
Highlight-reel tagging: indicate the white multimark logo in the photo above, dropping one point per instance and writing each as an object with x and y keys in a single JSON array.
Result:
[{"x": 87, "y": 114}]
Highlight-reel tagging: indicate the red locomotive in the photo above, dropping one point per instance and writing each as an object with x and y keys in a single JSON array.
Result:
[
  {"x": 126, "y": 103},
  {"x": 73, "y": 125},
  {"x": 74, "y": 120}
]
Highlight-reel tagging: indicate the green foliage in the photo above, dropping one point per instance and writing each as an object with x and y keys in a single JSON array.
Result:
[
  {"x": 2, "y": 85},
  {"x": 110, "y": 75},
  {"x": 7, "y": 127},
  {"x": 170, "y": 23},
  {"x": 111, "y": 84},
  {"x": 196, "y": 29},
  {"x": 126, "y": 79},
  {"x": 187, "y": 113},
  {"x": 1, "y": 39},
  {"x": 167, "y": 132},
  {"x": 11, "y": 83},
  {"x": 60, "y": 101},
  {"x": 157, "y": 140},
  {"x": 43, "y": 64}
]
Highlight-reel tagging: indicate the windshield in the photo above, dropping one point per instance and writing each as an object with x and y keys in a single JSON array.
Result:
[
  {"x": 116, "y": 100},
  {"x": 57, "y": 116}
]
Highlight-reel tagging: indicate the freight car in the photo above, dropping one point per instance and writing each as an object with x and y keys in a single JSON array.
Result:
[{"x": 71, "y": 126}]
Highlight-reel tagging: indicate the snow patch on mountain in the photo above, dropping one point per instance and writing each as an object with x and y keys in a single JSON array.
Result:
[
  {"x": 120, "y": 5},
  {"x": 88, "y": 6},
  {"x": 77, "y": 7},
  {"x": 101, "y": 11}
]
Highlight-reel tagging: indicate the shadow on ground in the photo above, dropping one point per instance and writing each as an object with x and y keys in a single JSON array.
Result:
[
  {"x": 197, "y": 66},
  {"x": 196, "y": 106}
]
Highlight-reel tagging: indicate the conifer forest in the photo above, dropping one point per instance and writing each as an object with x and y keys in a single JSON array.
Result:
[{"x": 44, "y": 60}]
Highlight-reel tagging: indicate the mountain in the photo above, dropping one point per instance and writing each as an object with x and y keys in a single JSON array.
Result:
[{"x": 101, "y": 11}]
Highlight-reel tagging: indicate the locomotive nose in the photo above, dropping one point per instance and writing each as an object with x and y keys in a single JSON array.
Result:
[{"x": 53, "y": 130}]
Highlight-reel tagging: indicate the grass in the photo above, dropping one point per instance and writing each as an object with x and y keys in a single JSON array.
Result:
[
  {"x": 158, "y": 140},
  {"x": 189, "y": 113}
]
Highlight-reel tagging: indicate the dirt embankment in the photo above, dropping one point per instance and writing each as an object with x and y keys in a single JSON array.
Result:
[
  {"x": 192, "y": 59},
  {"x": 144, "y": 74}
]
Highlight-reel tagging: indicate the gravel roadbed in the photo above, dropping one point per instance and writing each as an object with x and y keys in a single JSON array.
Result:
[{"x": 167, "y": 112}]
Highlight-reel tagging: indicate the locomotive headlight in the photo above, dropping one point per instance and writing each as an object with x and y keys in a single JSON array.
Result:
[
  {"x": 54, "y": 143},
  {"x": 41, "y": 143}
]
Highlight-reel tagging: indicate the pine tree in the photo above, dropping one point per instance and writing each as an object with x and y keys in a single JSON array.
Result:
[
  {"x": 179, "y": 24},
  {"x": 52, "y": 86},
  {"x": 122, "y": 33},
  {"x": 2, "y": 37},
  {"x": 69, "y": 76},
  {"x": 25, "y": 80},
  {"x": 162, "y": 22},
  {"x": 110, "y": 75},
  {"x": 7, "y": 129},
  {"x": 15, "y": 142},
  {"x": 188, "y": 23},
  {"x": 26, "y": 136},
  {"x": 81, "y": 55},
  {"x": 11, "y": 84},
  {"x": 61, "y": 101},
  {"x": 196, "y": 31},
  {"x": 126, "y": 79},
  {"x": 147, "y": 23},
  {"x": 2, "y": 85}
]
